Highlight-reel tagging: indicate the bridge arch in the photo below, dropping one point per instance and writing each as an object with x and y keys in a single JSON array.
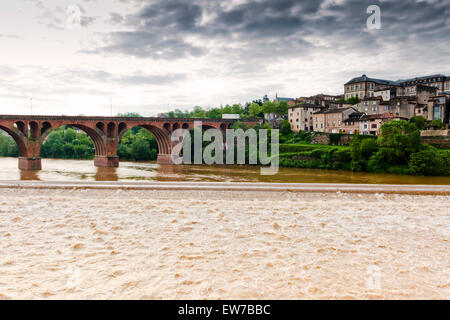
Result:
[
  {"x": 95, "y": 134},
  {"x": 19, "y": 138},
  {"x": 162, "y": 138}
]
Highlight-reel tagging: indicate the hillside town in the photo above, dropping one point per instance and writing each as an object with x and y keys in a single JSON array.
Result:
[{"x": 367, "y": 103}]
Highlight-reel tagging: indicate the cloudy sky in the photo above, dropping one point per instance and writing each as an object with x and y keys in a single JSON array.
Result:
[{"x": 77, "y": 56}]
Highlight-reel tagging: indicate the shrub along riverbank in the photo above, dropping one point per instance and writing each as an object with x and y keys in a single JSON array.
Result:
[{"x": 398, "y": 150}]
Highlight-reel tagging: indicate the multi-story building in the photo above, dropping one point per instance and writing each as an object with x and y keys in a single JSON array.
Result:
[
  {"x": 351, "y": 124},
  {"x": 385, "y": 93},
  {"x": 408, "y": 86},
  {"x": 364, "y": 86},
  {"x": 422, "y": 92},
  {"x": 339, "y": 105},
  {"x": 301, "y": 116},
  {"x": 403, "y": 107},
  {"x": 331, "y": 120},
  {"x": 438, "y": 108},
  {"x": 447, "y": 85},
  {"x": 371, "y": 105},
  {"x": 322, "y": 100},
  {"x": 371, "y": 124}
]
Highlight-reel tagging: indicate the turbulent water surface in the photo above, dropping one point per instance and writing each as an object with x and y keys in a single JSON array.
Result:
[
  {"x": 153, "y": 244},
  {"x": 222, "y": 245}
]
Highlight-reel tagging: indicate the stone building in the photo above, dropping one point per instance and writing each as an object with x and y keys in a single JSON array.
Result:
[
  {"x": 371, "y": 124},
  {"x": 371, "y": 105},
  {"x": 386, "y": 93},
  {"x": 408, "y": 87},
  {"x": 331, "y": 120},
  {"x": 351, "y": 124},
  {"x": 301, "y": 116},
  {"x": 364, "y": 86},
  {"x": 438, "y": 107}
]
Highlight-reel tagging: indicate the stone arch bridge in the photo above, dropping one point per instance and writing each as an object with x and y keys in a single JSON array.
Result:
[{"x": 30, "y": 132}]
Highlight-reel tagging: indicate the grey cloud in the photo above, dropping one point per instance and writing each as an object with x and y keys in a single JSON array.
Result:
[
  {"x": 134, "y": 79},
  {"x": 162, "y": 28}
]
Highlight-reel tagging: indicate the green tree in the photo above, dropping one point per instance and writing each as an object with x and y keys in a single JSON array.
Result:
[
  {"x": 282, "y": 108},
  {"x": 69, "y": 135},
  {"x": 255, "y": 110},
  {"x": 419, "y": 122},
  {"x": 353, "y": 100},
  {"x": 437, "y": 124},
  {"x": 129, "y": 115},
  {"x": 269, "y": 107},
  {"x": 199, "y": 112},
  {"x": 429, "y": 162},
  {"x": 368, "y": 148},
  {"x": 214, "y": 113}
]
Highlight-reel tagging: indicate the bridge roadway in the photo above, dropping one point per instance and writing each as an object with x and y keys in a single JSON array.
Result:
[
  {"x": 232, "y": 186},
  {"x": 30, "y": 132}
]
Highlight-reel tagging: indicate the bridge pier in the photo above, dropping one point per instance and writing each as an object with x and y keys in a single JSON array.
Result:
[
  {"x": 164, "y": 159},
  {"x": 28, "y": 164},
  {"x": 106, "y": 161}
]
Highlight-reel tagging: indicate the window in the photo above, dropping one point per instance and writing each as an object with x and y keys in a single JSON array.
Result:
[
  {"x": 436, "y": 113},
  {"x": 374, "y": 126},
  {"x": 374, "y": 109}
]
